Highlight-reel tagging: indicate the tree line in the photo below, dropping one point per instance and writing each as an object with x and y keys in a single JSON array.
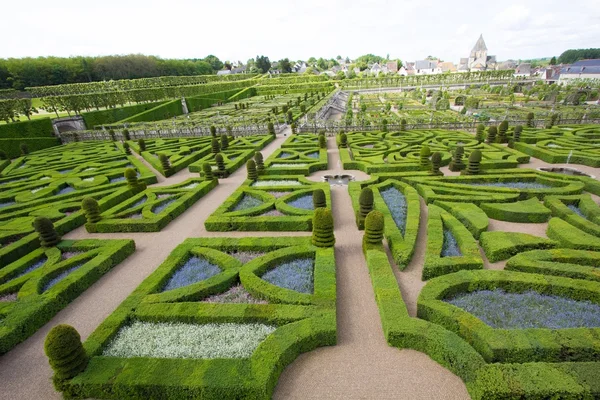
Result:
[
  {"x": 572, "y": 55},
  {"x": 19, "y": 73}
]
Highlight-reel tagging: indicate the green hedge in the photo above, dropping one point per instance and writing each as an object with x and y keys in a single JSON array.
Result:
[
  {"x": 500, "y": 245},
  {"x": 576, "y": 264},
  {"x": 12, "y": 146},
  {"x": 36, "y": 128},
  {"x": 526, "y": 211},
  {"x": 512, "y": 345},
  {"x": 112, "y": 115},
  {"x": 590, "y": 224},
  {"x": 197, "y": 103},
  {"x": 163, "y": 111},
  {"x": 34, "y": 308},
  {"x": 570, "y": 236},
  {"x": 471, "y": 216}
]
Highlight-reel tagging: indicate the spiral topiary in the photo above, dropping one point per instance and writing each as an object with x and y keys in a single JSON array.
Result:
[
  {"x": 480, "y": 135},
  {"x": 91, "y": 209},
  {"x": 260, "y": 164},
  {"x": 24, "y": 149},
  {"x": 517, "y": 133},
  {"x": 424, "y": 155},
  {"x": 126, "y": 134},
  {"x": 224, "y": 142},
  {"x": 530, "y": 122},
  {"x": 502, "y": 129},
  {"x": 142, "y": 144},
  {"x": 112, "y": 135},
  {"x": 207, "y": 172},
  {"x": 271, "y": 128},
  {"x": 214, "y": 144},
  {"x": 251, "y": 168},
  {"x": 374, "y": 228},
  {"x": 366, "y": 203},
  {"x": 319, "y": 200},
  {"x": 491, "y": 136},
  {"x": 164, "y": 162},
  {"x": 403, "y": 125},
  {"x": 131, "y": 177},
  {"x": 322, "y": 142},
  {"x": 126, "y": 148},
  {"x": 322, "y": 230},
  {"x": 293, "y": 126},
  {"x": 65, "y": 353},
  {"x": 457, "y": 163},
  {"x": 213, "y": 130},
  {"x": 474, "y": 163},
  {"x": 47, "y": 234},
  {"x": 436, "y": 163},
  {"x": 343, "y": 140},
  {"x": 220, "y": 162}
]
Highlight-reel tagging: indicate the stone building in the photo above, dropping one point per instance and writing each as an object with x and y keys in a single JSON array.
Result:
[{"x": 479, "y": 59}]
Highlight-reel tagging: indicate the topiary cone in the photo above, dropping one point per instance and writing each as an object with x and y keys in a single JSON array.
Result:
[
  {"x": 457, "y": 163},
  {"x": 502, "y": 129},
  {"x": 126, "y": 148},
  {"x": 319, "y": 200},
  {"x": 224, "y": 142},
  {"x": 260, "y": 165},
  {"x": 343, "y": 140},
  {"x": 164, "y": 162},
  {"x": 91, "y": 210},
  {"x": 214, "y": 144},
  {"x": 322, "y": 232},
  {"x": 207, "y": 172},
  {"x": 517, "y": 133},
  {"x": 251, "y": 168},
  {"x": 213, "y": 130},
  {"x": 474, "y": 163},
  {"x": 220, "y": 162},
  {"x": 436, "y": 162},
  {"x": 366, "y": 203},
  {"x": 491, "y": 137},
  {"x": 24, "y": 149},
  {"x": 374, "y": 228},
  {"x": 142, "y": 144},
  {"x": 131, "y": 177},
  {"x": 65, "y": 353},
  {"x": 47, "y": 234},
  {"x": 322, "y": 142},
  {"x": 480, "y": 133},
  {"x": 424, "y": 158}
]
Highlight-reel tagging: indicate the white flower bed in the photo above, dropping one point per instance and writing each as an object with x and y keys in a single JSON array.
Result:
[
  {"x": 191, "y": 185},
  {"x": 288, "y": 165},
  {"x": 179, "y": 340},
  {"x": 282, "y": 182},
  {"x": 88, "y": 179},
  {"x": 38, "y": 189}
]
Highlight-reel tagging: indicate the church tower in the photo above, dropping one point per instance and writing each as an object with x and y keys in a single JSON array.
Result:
[{"x": 478, "y": 58}]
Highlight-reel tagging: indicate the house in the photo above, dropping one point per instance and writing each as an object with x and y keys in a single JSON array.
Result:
[
  {"x": 479, "y": 59},
  {"x": 506, "y": 65},
  {"x": 583, "y": 69},
  {"x": 447, "y": 66},
  {"x": 410, "y": 68},
  {"x": 224, "y": 72},
  {"x": 402, "y": 71},
  {"x": 392, "y": 66},
  {"x": 375, "y": 69},
  {"x": 427, "y": 67},
  {"x": 356, "y": 70},
  {"x": 240, "y": 69},
  {"x": 523, "y": 70},
  {"x": 299, "y": 67}
]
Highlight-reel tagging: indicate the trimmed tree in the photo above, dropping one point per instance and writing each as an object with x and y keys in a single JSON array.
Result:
[
  {"x": 502, "y": 129},
  {"x": 517, "y": 133},
  {"x": 424, "y": 155},
  {"x": 126, "y": 134},
  {"x": 457, "y": 163},
  {"x": 251, "y": 168},
  {"x": 91, "y": 209},
  {"x": 112, "y": 135},
  {"x": 214, "y": 144},
  {"x": 131, "y": 177},
  {"x": 322, "y": 233},
  {"x": 47, "y": 234},
  {"x": 220, "y": 163},
  {"x": 322, "y": 142},
  {"x": 436, "y": 163},
  {"x": 343, "y": 140},
  {"x": 366, "y": 203},
  {"x": 491, "y": 136},
  {"x": 271, "y": 128},
  {"x": 142, "y": 144},
  {"x": 530, "y": 123},
  {"x": 65, "y": 353},
  {"x": 260, "y": 164},
  {"x": 24, "y": 149},
  {"x": 165, "y": 163},
  {"x": 480, "y": 133},
  {"x": 207, "y": 172},
  {"x": 224, "y": 142},
  {"x": 126, "y": 148},
  {"x": 374, "y": 228},
  {"x": 293, "y": 126},
  {"x": 403, "y": 125},
  {"x": 213, "y": 130},
  {"x": 474, "y": 163},
  {"x": 319, "y": 200}
]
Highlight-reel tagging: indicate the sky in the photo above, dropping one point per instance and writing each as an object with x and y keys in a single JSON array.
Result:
[{"x": 241, "y": 29}]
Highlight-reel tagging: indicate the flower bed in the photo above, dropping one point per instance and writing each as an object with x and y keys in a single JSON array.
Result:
[
  {"x": 194, "y": 270},
  {"x": 294, "y": 275}
]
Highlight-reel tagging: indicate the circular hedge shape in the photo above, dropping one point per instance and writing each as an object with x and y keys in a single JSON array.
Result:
[
  {"x": 65, "y": 352},
  {"x": 91, "y": 209},
  {"x": 319, "y": 200},
  {"x": 322, "y": 234},
  {"x": 47, "y": 234}
]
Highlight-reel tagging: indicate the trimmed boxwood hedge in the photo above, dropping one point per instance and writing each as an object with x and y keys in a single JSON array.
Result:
[
  {"x": 112, "y": 115},
  {"x": 12, "y": 146},
  {"x": 500, "y": 245},
  {"x": 471, "y": 216},
  {"x": 570, "y": 236},
  {"x": 300, "y": 328},
  {"x": 576, "y": 264},
  {"x": 162, "y": 111},
  {"x": 36, "y": 128},
  {"x": 525, "y": 211}
]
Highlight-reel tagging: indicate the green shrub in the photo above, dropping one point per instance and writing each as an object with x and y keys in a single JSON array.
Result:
[
  {"x": 111, "y": 132},
  {"x": 91, "y": 210},
  {"x": 142, "y": 145},
  {"x": 47, "y": 234},
  {"x": 457, "y": 163},
  {"x": 402, "y": 125},
  {"x": 207, "y": 171},
  {"x": 65, "y": 353},
  {"x": 131, "y": 177},
  {"x": 366, "y": 202},
  {"x": 126, "y": 148},
  {"x": 251, "y": 168},
  {"x": 126, "y": 134},
  {"x": 343, "y": 140},
  {"x": 229, "y": 130},
  {"x": 480, "y": 133},
  {"x": 502, "y": 130},
  {"x": 374, "y": 228},
  {"x": 220, "y": 163},
  {"x": 322, "y": 234},
  {"x": 530, "y": 122},
  {"x": 13, "y": 150},
  {"x": 500, "y": 245},
  {"x": 260, "y": 164},
  {"x": 271, "y": 128},
  {"x": 491, "y": 136},
  {"x": 424, "y": 155},
  {"x": 213, "y": 130},
  {"x": 224, "y": 142},
  {"x": 436, "y": 162},
  {"x": 214, "y": 145},
  {"x": 474, "y": 163},
  {"x": 164, "y": 162},
  {"x": 526, "y": 211},
  {"x": 322, "y": 142},
  {"x": 570, "y": 236},
  {"x": 319, "y": 200},
  {"x": 3, "y": 155},
  {"x": 517, "y": 133},
  {"x": 293, "y": 126},
  {"x": 24, "y": 149},
  {"x": 112, "y": 115},
  {"x": 36, "y": 128}
]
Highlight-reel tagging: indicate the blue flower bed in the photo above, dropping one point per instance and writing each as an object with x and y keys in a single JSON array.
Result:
[
  {"x": 33, "y": 267},
  {"x": 158, "y": 209},
  {"x": 247, "y": 202},
  {"x": 65, "y": 190},
  {"x": 503, "y": 310},
  {"x": 60, "y": 277},
  {"x": 313, "y": 155},
  {"x": 194, "y": 270},
  {"x": 139, "y": 202},
  {"x": 10, "y": 203},
  {"x": 450, "y": 247},
  {"x": 514, "y": 185},
  {"x": 284, "y": 155},
  {"x": 396, "y": 203},
  {"x": 117, "y": 179},
  {"x": 305, "y": 202},
  {"x": 576, "y": 210},
  {"x": 295, "y": 275}
]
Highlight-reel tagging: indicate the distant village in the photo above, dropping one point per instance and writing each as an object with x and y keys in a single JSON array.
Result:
[{"x": 478, "y": 60}]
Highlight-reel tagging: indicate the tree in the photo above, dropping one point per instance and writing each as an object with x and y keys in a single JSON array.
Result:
[
  {"x": 285, "y": 66},
  {"x": 263, "y": 63},
  {"x": 572, "y": 55},
  {"x": 214, "y": 62},
  {"x": 553, "y": 61}
]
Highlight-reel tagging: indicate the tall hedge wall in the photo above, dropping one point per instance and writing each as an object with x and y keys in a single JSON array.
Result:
[
  {"x": 163, "y": 111},
  {"x": 112, "y": 115},
  {"x": 27, "y": 129},
  {"x": 197, "y": 103},
  {"x": 11, "y": 146}
]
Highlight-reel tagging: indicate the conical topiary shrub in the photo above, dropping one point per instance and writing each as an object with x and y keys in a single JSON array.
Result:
[
  {"x": 424, "y": 155},
  {"x": 251, "y": 168},
  {"x": 322, "y": 230},
  {"x": 343, "y": 140},
  {"x": 491, "y": 136},
  {"x": 47, "y": 234},
  {"x": 293, "y": 126},
  {"x": 502, "y": 129},
  {"x": 214, "y": 145},
  {"x": 517, "y": 133},
  {"x": 271, "y": 128},
  {"x": 91, "y": 209},
  {"x": 319, "y": 200},
  {"x": 322, "y": 141},
  {"x": 126, "y": 148},
  {"x": 164, "y": 162},
  {"x": 142, "y": 144},
  {"x": 131, "y": 177},
  {"x": 207, "y": 172},
  {"x": 366, "y": 203},
  {"x": 224, "y": 142},
  {"x": 126, "y": 134},
  {"x": 457, "y": 163},
  {"x": 24, "y": 149},
  {"x": 220, "y": 163},
  {"x": 260, "y": 164},
  {"x": 436, "y": 163},
  {"x": 403, "y": 125},
  {"x": 474, "y": 163},
  {"x": 374, "y": 228},
  {"x": 111, "y": 133},
  {"x": 480, "y": 135},
  {"x": 213, "y": 130},
  {"x": 530, "y": 122},
  {"x": 65, "y": 353}
]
